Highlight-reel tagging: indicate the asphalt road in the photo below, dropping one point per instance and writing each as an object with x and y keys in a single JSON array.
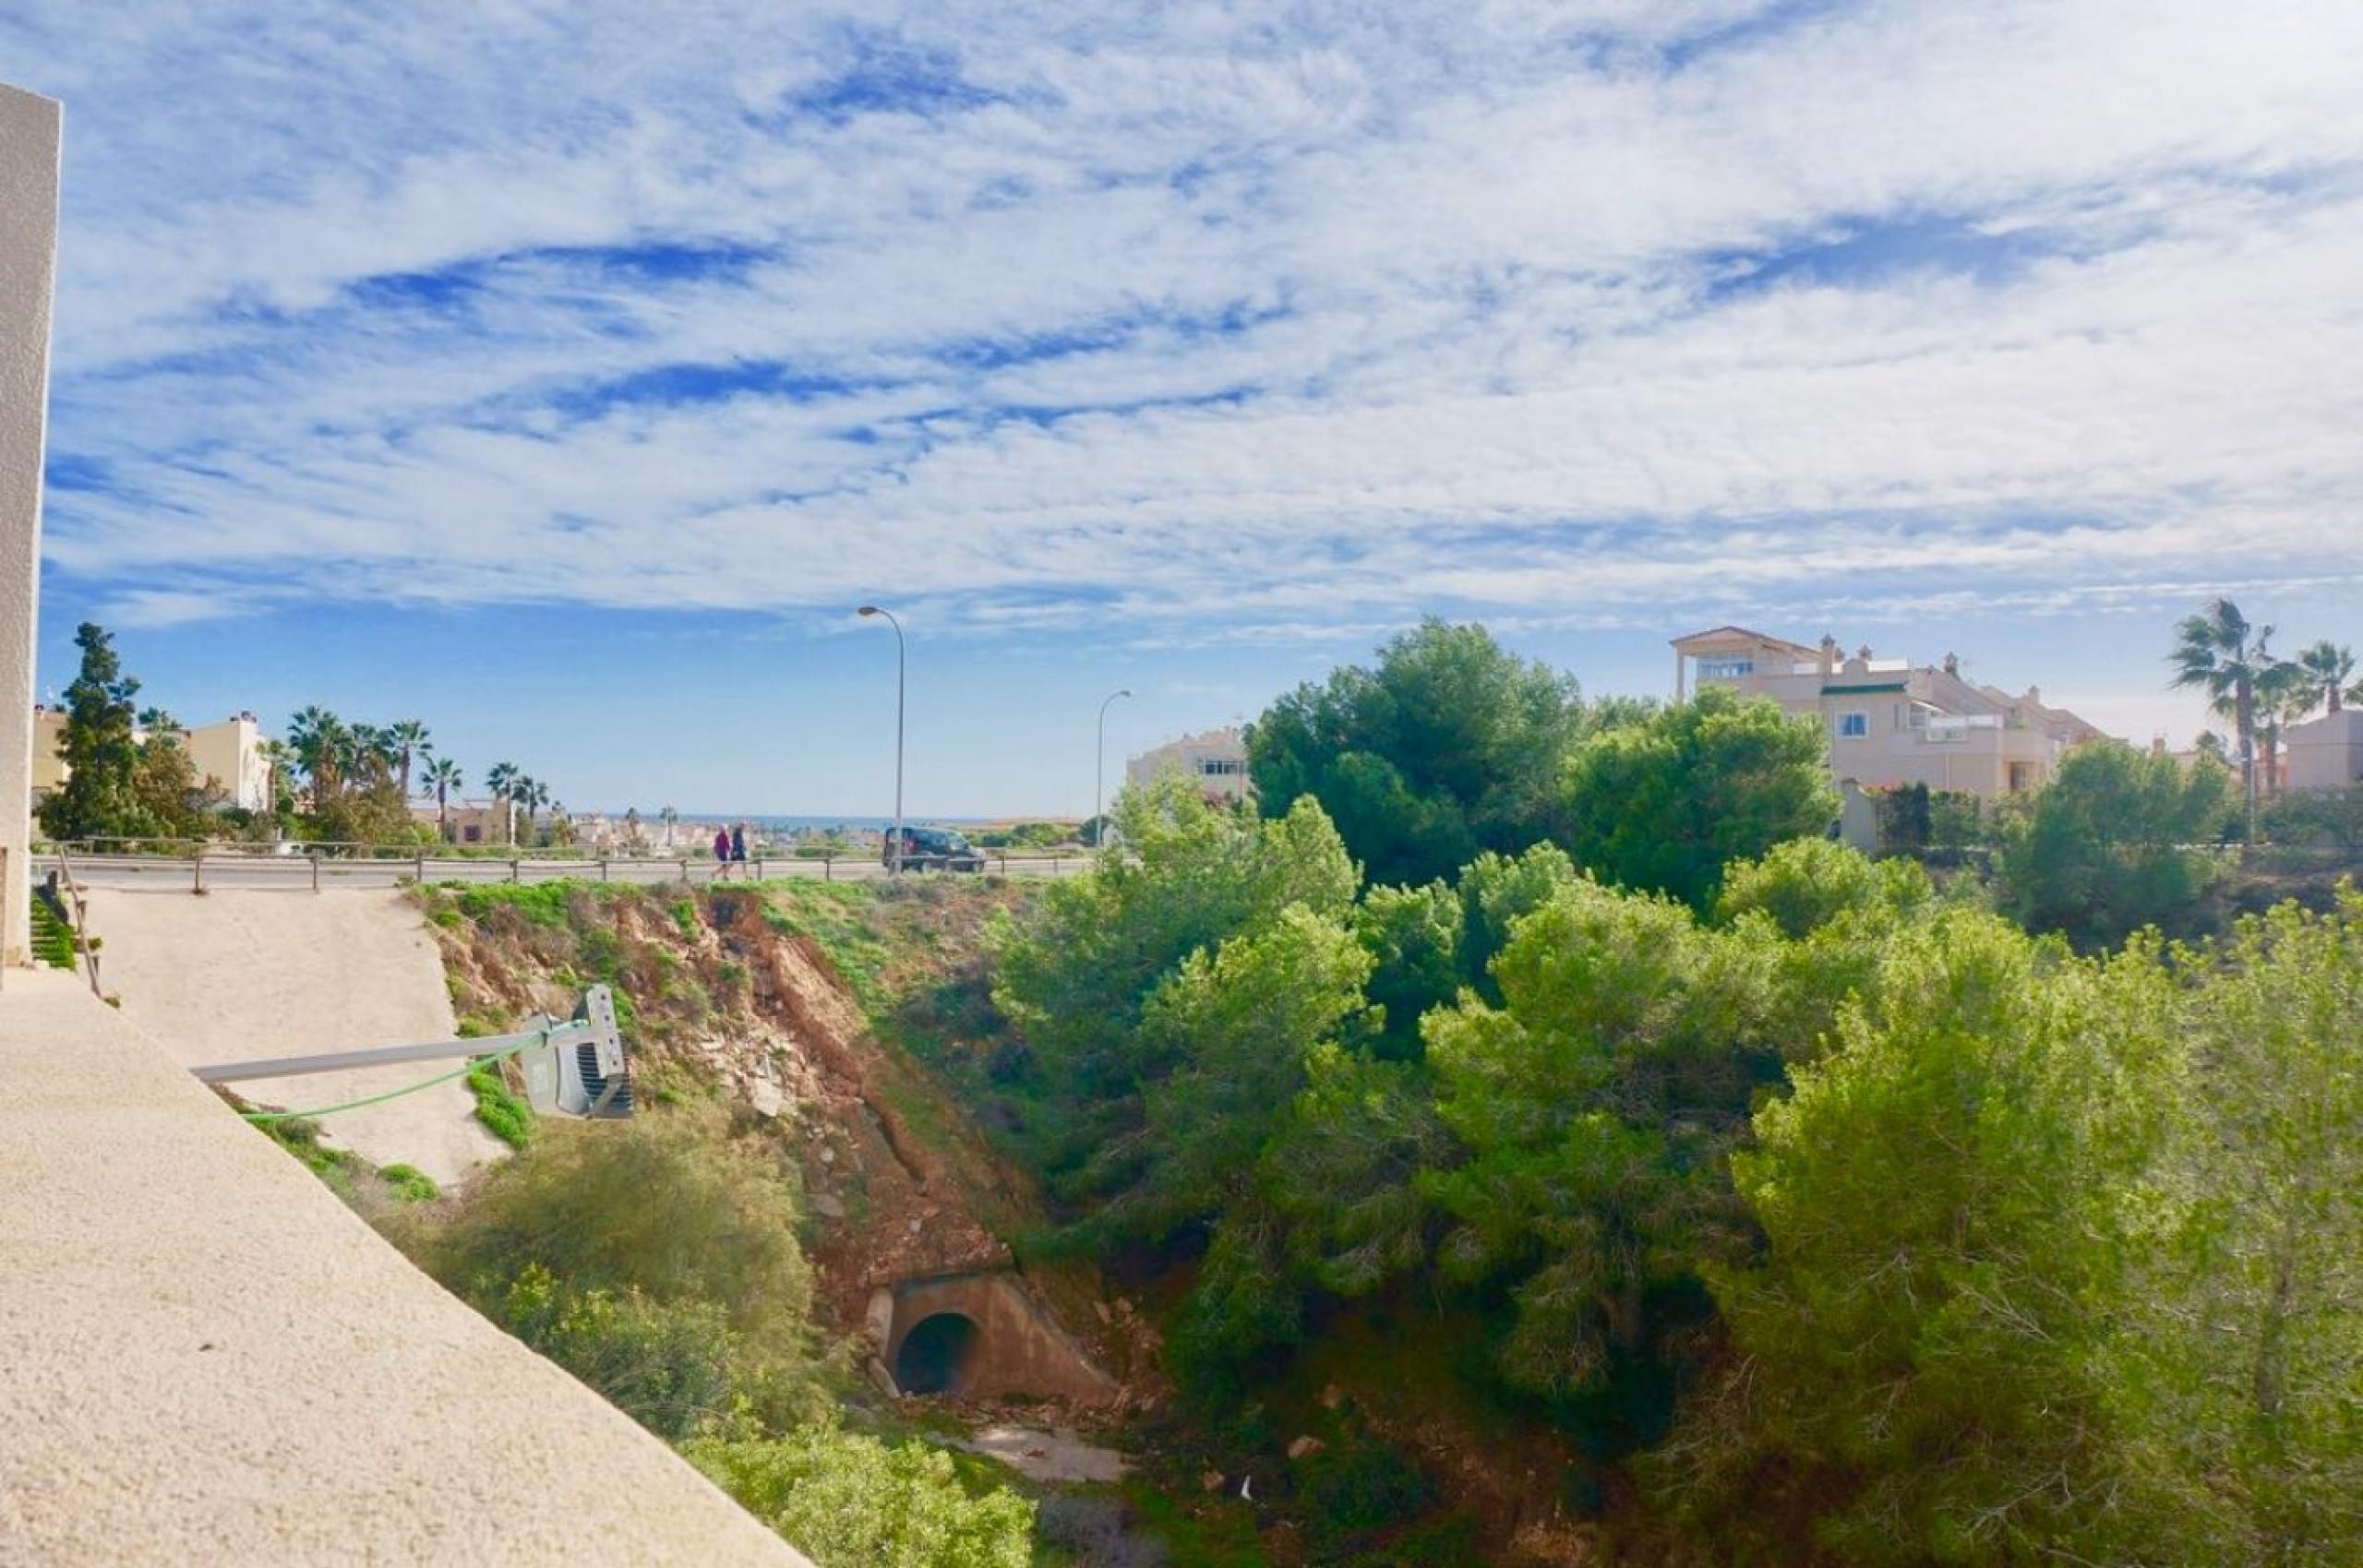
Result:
[{"x": 299, "y": 873}]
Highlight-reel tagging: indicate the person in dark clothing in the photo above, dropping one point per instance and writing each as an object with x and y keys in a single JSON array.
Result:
[
  {"x": 738, "y": 844},
  {"x": 721, "y": 852}
]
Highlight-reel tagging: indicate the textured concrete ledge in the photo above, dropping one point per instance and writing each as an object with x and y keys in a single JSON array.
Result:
[{"x": 205, "y": 1357}]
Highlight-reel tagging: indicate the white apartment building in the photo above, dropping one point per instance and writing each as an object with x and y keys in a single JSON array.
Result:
[
  {"x": 1214, "y": 759},
  {"x": 1888, "y": 721}
]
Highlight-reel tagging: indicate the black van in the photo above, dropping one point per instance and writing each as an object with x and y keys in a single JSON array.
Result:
[{"x": 934, "y": 849}]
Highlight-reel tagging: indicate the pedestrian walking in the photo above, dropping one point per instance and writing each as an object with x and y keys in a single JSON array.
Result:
[
  {"x": 738, "y": 847},
  {"x": 721, "y": 853}
]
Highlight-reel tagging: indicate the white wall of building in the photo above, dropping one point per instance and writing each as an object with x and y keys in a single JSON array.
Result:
[
  {"x": 2326, "y": 752},
  {"x": 29, "y": 142},
  {"x": 1216, "y": 761}
]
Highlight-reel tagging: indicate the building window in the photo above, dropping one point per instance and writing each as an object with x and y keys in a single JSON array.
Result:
[
  {"x": 1221, "y": 767},
  {"x": 1725, "y": 669},
  {"x": 472, "y": 833},
  {"x": 1853, "y": 727}
]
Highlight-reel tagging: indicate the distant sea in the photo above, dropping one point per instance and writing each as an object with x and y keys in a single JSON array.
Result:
[{"x": 792, "y": 824}]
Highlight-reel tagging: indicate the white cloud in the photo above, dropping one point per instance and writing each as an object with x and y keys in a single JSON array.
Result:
[{"x": 1486, "y": 352}]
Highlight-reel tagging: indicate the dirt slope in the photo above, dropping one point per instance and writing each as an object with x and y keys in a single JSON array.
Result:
[
  {"x": 238, "y": 975},
  {"x": 763, "y": 998}
]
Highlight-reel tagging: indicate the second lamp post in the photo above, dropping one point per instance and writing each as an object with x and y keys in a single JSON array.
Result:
[{"x": 894, "y": 845}]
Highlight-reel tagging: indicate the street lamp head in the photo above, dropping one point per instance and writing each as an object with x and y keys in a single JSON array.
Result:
[
  {"x": 1126, "y": 692},
  {"x": 868, "y": 610}
]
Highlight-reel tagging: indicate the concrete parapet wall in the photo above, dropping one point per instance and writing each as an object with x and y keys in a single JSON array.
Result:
[
  {"x": 29, "y": 132},
  {"x": 205, "y": 1358}
]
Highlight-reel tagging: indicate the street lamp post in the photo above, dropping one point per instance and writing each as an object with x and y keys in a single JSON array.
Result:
[
  {"x": 1099, "y": 775},
  {"x": 894, "y": 845}
]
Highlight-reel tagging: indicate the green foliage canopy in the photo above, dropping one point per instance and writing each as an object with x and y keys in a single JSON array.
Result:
[
  {"x": 2109, "y": 847},
  {"x": 849, "y": 1500},
  {"x": 1664, "y": 804},
  {"x": 1448, "y": 746}
]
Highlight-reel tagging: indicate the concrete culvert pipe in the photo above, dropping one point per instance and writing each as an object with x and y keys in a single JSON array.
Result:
[{"x": 939, "y": 1355}]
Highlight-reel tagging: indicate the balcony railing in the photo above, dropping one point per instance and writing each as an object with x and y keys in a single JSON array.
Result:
[{"x": 1876, "y": 668}]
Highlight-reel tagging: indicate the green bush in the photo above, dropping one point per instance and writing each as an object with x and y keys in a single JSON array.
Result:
[
  {"x": 1662, "y": 804},
  {"x": 852, "y": 1501},
  {"x": 673, "y": 1367},
  {"x": 1807, "y": 884},
  {"x": 2106, "y": 849},
  {"x": 668, "y": 1221},
  {"x": 1359, "y": 1488}
]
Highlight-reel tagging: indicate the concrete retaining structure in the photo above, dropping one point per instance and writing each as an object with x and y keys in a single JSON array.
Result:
[
  {"x": 979, "y": 1336},
  {"x": 205, "y": 1357}
]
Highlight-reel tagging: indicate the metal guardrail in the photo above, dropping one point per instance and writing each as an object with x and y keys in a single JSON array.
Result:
[{"x": 244, "y": 866}]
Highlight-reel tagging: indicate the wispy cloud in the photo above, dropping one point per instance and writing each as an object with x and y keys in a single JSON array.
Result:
[{"x": 1215, "y": 323}]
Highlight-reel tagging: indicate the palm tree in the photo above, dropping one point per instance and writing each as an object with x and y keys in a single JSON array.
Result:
[
  {"x": 322, "y": 745},
  {"x": 279, "y": 759},
  {"x": 442, "y": 776},
  {"x": 671, "y": 819},
  {"x": 2284, "y": 695},
  {"x": 410, "y": 740},
  {"x": 2218, "y": 651},
  {"x": 502, "y": 781},
  {"x": 532, "y": 795},
  {"x": 2332, "y": 668}
]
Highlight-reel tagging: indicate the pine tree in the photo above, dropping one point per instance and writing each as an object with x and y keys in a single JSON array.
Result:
[{"x": 100, "y": 749}]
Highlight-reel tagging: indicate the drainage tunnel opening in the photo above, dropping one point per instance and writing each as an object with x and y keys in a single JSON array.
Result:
[{"x": 937, "y": 1355}]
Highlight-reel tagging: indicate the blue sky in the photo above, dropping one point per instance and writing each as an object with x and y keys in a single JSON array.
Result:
[{"x": 564, "y": 377}]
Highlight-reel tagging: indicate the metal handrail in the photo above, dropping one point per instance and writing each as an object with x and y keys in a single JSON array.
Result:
[{"x": 81, "y": 924}]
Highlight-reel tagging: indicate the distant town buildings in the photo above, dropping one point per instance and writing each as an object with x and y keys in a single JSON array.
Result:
[
  {"x": 228, "y": 757},
  {"x": 1889, "y": 721},
  {"x": 1216, "y": 761},
  {"x": 463, "y": 821}
]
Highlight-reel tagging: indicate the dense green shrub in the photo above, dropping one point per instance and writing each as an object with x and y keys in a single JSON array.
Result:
[
  {"x": 849, "y": 1501},
  {"x": 1662, "y": 804},
  {"x": 1356, "y": 1487},
  {"x": 1448, "y": 746},
  {"x": 2107, "y": 847},
  {"x": 661, "y": 1236}
]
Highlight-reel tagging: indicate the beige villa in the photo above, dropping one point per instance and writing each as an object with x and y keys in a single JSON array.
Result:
[
  {"x": 228, "y": 757},
  {"x": 1890, "y": 722}
]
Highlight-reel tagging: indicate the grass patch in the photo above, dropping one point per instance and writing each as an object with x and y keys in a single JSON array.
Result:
[
  {"x": 301, "y": 1138},
  {"x": 838, "y": 919},
  {"x": 53, "y": 939},
  {"x": 542, "y": 903},
  {"x": 510, "y": 1118},
  {"x": 410, "y": 1183},
  {"x": 1208, "y": 1534}
]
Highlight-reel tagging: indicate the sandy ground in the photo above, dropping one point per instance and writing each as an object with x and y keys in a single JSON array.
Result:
[
  {"x": 234, "y": 976},
  {"x": 1053, "y": 1453}
]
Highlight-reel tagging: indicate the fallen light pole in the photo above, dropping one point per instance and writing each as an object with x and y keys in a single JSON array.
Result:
[{"x": 573, "y": 1066}]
